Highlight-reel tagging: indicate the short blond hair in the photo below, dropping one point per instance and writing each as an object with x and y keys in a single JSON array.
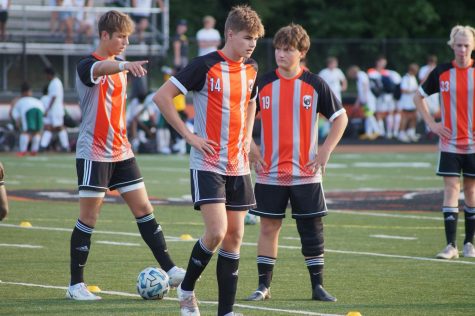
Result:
[
  {"x": 292, "y": 36},
  {"x": 115, "y": 21},
  {"x": 243, "y": 18},
  {"x": 461, "y": 30}
]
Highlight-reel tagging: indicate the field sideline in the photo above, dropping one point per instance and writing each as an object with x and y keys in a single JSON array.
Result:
[{"x": 379, "y": 259}]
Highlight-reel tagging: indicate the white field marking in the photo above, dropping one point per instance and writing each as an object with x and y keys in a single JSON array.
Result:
[
  {"x": 393, "y": 237},
  {"x": 95, "y": 231},
  {"x": 290, "y": 311},
  {"x": 392, "y": 165},
  {"x": 115, "y": 243},
  {"x": 21, "y": 246},
  {"x": 374, "y": 254},
  {"x": 255, "y": 244},
  {"x": 431, "y": 218}
]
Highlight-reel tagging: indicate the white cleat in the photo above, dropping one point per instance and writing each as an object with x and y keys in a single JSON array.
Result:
[
  {"x": 188, "y": 303},
  {"x": 79, "y": 292},
  {"x": 449, "y": 252},
  {"x": 176, "y": 276},
  {"x": 468, "y": 250}
]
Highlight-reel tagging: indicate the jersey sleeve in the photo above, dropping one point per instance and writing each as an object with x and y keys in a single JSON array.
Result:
[
  {"x": 192, "y": 77},
  {"x": 327, "y": 104},
  {"x": 85, "y": 70},
  {"x": 431, "y": 85}
]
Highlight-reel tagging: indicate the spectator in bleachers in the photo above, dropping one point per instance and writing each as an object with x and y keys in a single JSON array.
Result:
[
  {"x": 180, "y": 46},
  {"x": 27, "y": 112},
  {"x": 53, "y": 23},
  {"x": 406, "y": 104},
  {"x": 66, "y": 19},
  {"x": 4, "y": 6},
  {"x": 142, "y": 17},
  {"x": 208, "y": 37},
  {"x": 85, "y": 20},
  {"x": 54, "y": 113},
  {"x": 365, "y": 101}
]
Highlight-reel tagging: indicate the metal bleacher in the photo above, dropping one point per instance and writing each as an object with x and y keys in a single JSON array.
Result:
[{"x": 28, "y": 34}]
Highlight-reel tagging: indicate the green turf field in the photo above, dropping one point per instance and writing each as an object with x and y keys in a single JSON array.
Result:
[{"x": 393, "y": 274}]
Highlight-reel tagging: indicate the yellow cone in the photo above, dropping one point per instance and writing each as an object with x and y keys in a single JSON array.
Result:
[
  {"x": 353, "y": 313},
  {"x": 93, "y": 288},
  {"x": 186, "y": 237},
  {"x": 25, "y": 224}
]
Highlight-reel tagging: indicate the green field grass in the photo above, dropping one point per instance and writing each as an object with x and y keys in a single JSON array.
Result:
[{"x": 375, "y": 276}]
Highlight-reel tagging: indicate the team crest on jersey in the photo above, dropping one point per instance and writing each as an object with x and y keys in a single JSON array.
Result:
[
  {"x": 250, "y": 84},
  {"x": 307, "y": 101}
]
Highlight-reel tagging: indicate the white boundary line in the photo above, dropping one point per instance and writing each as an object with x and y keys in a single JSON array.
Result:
[
  {"x": 21, "y": 246},
  {"x": 289, "y": 311},
  {"x": 377, "y": 214},
  {"x": 363, "y": 253}
]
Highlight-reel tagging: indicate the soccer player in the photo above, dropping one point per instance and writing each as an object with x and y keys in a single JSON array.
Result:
[
  {"x": 3, "y": 194},
  {"x": 288, "y": 166},
  {"x": 224, "y": 99},
  {"x": 28, "y": 115},
  {"x": 54, "y": 112},
  {"x": 455, "y": 83},
  {"x": 104, "y": 158}
]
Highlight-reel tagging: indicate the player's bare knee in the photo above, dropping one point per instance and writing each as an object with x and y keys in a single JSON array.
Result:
[
  {"x": 270, "y": 226},
  {"x": 311, "y": 236},
  {"x": 214, "y": 237}
]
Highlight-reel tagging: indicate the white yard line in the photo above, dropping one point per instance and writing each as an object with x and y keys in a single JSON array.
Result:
[
  {"x": 21, "y": 246},
  {"x": 377, "y": 214},
  {"x": 115, "y": 243},
  {"x": 393, "y": 237},
  {"x": 289, "y": 311},
  {"x": 280, "y": 246}
]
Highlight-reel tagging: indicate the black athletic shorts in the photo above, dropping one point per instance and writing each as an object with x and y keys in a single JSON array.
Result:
[
  {"x": 454, "y": 165},
  {"x": 307, "y": 200},
  {"x": 210, "y": 187},
  {"x": 100, "y": 176}
]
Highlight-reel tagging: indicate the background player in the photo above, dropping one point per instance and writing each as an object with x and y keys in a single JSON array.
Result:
[
  {"x": 288, "y": 166},
  {"x": 455, "y": 83},
  {"x": 28, "y": 115},
  {"x": 104, "y": 158},
  {"x": 3, "y": 194},
  {"x": 224, "y": 93}
]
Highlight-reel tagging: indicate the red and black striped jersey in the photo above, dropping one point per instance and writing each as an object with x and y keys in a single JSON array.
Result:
[
  {"x": 289, "y": 129},
  {"x": 456, "y": 86},
  {"x": 222, "y": 89}
]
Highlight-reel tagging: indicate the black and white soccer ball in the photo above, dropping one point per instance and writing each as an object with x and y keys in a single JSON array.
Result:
[
  {"x": 152, "y": 283},
  {"x": 251, "y": 219}
]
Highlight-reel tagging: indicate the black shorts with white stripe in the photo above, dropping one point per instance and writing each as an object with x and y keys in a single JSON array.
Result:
[
  {"x": 99, "y": 176},
  {"x": 210, "y": 187},
  {"x": 454, "y": 165},
  {"x": 307, "y": 200}
]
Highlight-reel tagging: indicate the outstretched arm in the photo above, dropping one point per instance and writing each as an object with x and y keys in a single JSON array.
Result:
[{"x": 110, "y": 67}]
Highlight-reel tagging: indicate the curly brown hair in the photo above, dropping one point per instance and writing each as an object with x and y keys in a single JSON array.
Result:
[{"x": 292, "y": 36}]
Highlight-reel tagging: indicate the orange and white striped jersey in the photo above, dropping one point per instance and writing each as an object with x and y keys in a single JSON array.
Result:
[
  {"x": 289, "y": 128},
  {"x": 103, "y": 132},
  {"x": 221, "y": 89},
  {"x": 457, "y": 97}
]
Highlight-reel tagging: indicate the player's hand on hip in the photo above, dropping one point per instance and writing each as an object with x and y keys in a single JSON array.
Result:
[
  {"x": 136, "y": 68},
  {"x": 205, "y": 146},
  {"x": 441, "y": 130}
]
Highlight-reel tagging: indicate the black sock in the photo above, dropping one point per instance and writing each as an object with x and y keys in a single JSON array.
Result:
[
  {"x": 152, "y": 234},
  {"x": 450, "y": 222},
  {"x": 79, "y": 250},
  {"x": 265, "y": 268},
  {"x": 227, "y": 274},
  {"x": 315, "y": 269},
  {"x": 469, "y": 224},
  {"x": 199, "y": 259}
]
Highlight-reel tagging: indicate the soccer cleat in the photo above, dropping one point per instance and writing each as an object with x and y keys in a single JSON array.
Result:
[
  {"x": 176, "y": 276},
  {"x": 262, "y": 293},
  {"x": 468, "y": 250},
  {"x": 449, "y": 252},
  {"x": 188, "y": 303},
  {"x": 320, "y": 294},
  {"x": 79, "y": 292}
]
